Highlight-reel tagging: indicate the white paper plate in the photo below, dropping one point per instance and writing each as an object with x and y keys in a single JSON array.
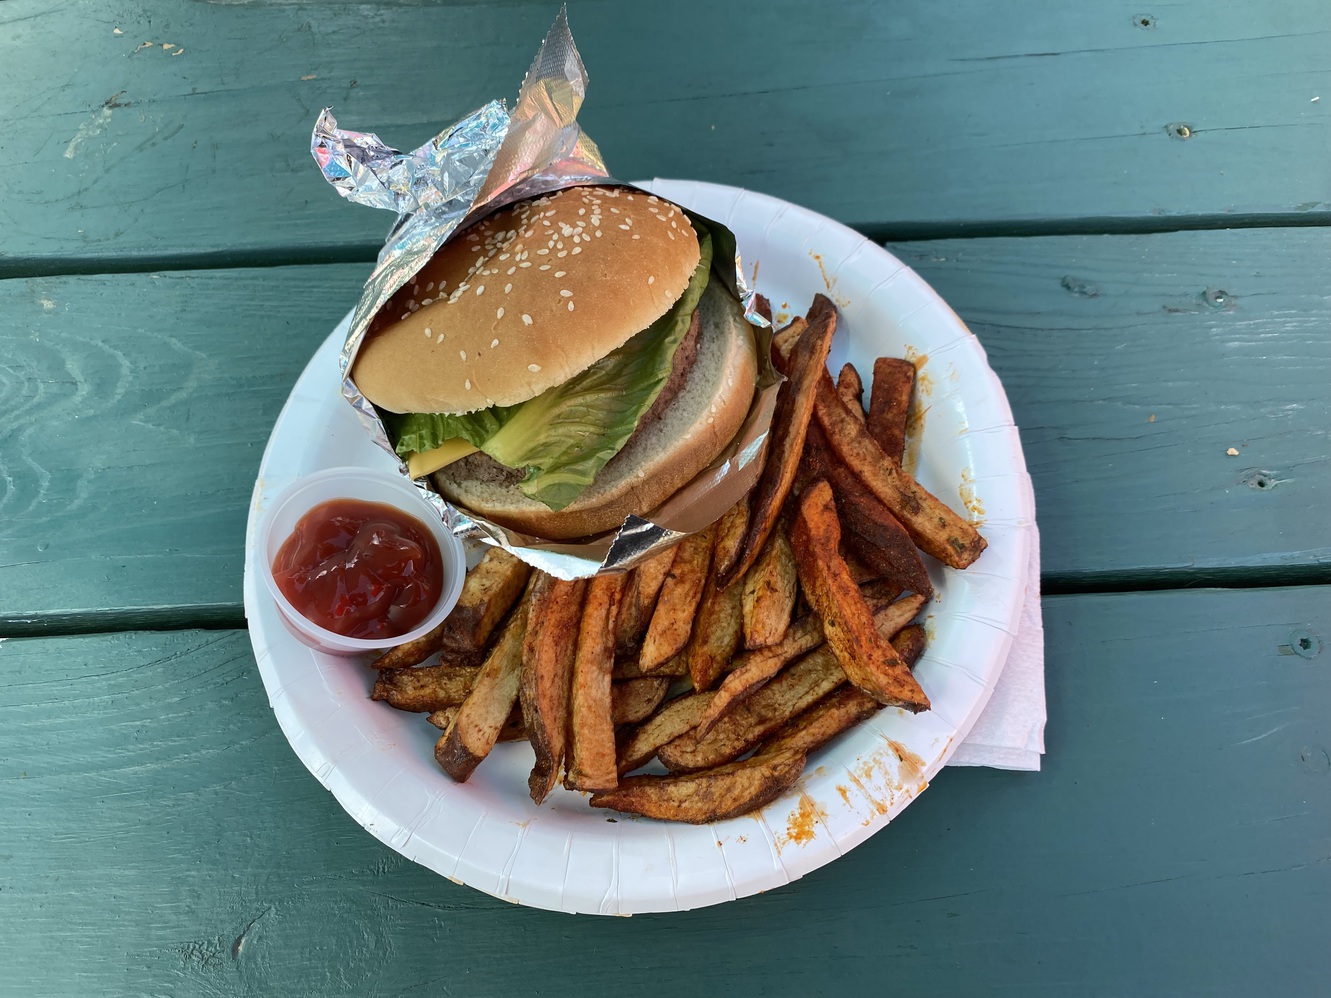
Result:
[{"x": 379, "y": 762}]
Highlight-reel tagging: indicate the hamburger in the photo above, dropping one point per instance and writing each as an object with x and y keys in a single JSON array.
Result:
[{"x": 564, "y": 362}]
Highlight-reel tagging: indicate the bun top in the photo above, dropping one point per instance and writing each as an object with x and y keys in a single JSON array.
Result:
[{"x": 525, "y": 299}]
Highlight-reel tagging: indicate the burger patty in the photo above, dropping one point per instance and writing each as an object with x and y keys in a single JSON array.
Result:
[{"x": 481, "y": 467}]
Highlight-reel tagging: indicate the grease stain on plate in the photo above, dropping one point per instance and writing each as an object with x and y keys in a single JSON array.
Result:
[
  {"x": 802, "y": 824},
  {"x": 969, "y": 499}
]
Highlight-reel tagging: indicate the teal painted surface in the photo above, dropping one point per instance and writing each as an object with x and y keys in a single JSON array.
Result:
[
  {"x": 188, "y": 133},
  {"x": 133, "y": 432},
  {"x": 1133, "y": 364},
  {"x": 161, "y": 838}
]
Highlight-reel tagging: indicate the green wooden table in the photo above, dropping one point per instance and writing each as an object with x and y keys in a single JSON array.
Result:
[{"x": 1127, "y": 202}]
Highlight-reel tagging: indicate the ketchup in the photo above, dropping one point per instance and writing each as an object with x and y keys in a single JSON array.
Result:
[{"x": 360, "y": 569}]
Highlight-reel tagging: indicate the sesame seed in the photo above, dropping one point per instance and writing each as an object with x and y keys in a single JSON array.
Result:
[
  {"x": 570, "y": 306},
  {"x": 565, "y": 293},
  {"x": 636, "y": 236},
  {"x": 428, "y": 287},
  {"x": 560, "y": 273},
  {"x": 499, "y": 314},
  {"x": 468, "y": 384},
  {"x": 534, "y": 368},
  {"x": 562, "y": 253},
  {"x": 542, "y": 252},
  {"x": 624, "y": 227},
  {"x": 578, "y": 249},
  {"x": 507, "y": 289},
  {"x": 544, "y": 266},
  {"x": 512, "y": 271},
  {"x": 526, "y": 319},
  {"x": 480, "y": 289},
  {"x": 503, "y": 256},
  {"x": 651, "y": 280},
  {"x": 428, "y": 334},
  {"x": 439, "y": 339},
  {"x": 494, "y": 343},
  {"x": 524, "y": 263},
  {"x": 462, "y": 354}
]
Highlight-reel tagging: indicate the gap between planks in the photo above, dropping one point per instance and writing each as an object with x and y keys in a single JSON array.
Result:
[
  {"x": 231, "y": 616},
  {"x": 12, "y": 268}
]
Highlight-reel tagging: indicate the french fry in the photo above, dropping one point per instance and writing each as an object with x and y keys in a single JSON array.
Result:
[
  {"x": 628, "y": 668},
  {"x": 716, "y": 635},
  {"x": 730, "y": 531},
  {"x": 591, "y": 753},
  {"x": 638, "y": 745},
  {"x": 869, "y": 660},
  {"x": 784, "y": 341},
  {"x": 879, "y": 542},
  {"x": 672, "y": 621},
  {"x": 770, "y": 588},
  {"x": 634, "y": 699},
  {"x": 790, "y": 692},
  {"x": 861, "y": 573},
  {"x": 754, "y": 669},
  {"x": 843, "y": 708},
  {"x": 713, "y": 795},
  {"x": 489, "y": 592},
  {"x": 413, "y": 653},
  {"x": 481, "y": 717},
  {"x": 850, "y": 386},
  {"x": 932, "y": 525},
  {"x": 785, "y": 440},
  {"x": 547, "y": 671},
  {"x": 889, "y": 404},
  {"x": 639, "y": 600},
  {"x": 431, "y": 687},
  {"x": 512, "y": 731}
]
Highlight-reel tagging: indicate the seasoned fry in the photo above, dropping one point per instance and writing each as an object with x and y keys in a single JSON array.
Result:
[
  {"x": 869, "y": 660},
  {"x": 639, "y": 600},
  {"x": 754, "y": 669},
  {"x": 860, "y": 573},
  {"x": 489, "y": 592},
  {"x": 512, "y": 731},
  {"x": 880, "y": 544},
  {"x": 635, "y": 699},
  {"x": 841, "y": 709},
  {"x": 476, "y": 727},
  {"x": 591, "y": 754},
  {"x": 784, "y": 341},
  {"x": 547, "y": 672},
  {"x": 637, "y": 746},
  {"x": 672, "y": 621},
  {"x": 430, "y": 687},
  {"x": 770, "y": 588},
  {"x": 730, "y": 531},
  {"x": 889, "y": 404},
  {"x": 932, "y": 525},
  {"x": 713, "y": 795},
  {"x": 412, "y": 653},
  {"x": 748, "y": 723},
  {"x": 627, "y": 668},
  {"x": 785, "y": 440},
  {"x": 850, "y": 386},
  {"x": 716, "y": 635}
]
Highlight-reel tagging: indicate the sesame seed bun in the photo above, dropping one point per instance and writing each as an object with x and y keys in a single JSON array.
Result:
[
  {"x": 526, "y": 299},
  {"x": 669, "y": 448}
]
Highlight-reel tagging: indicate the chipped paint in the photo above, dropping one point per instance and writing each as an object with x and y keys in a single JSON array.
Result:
[{"x": 968, "y": 497}]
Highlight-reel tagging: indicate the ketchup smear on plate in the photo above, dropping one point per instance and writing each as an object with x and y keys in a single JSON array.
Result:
[{"x": 360, "y": 569}]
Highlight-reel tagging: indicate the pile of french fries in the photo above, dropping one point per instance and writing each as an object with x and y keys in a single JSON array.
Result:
[{"x": 733, "y": 655}]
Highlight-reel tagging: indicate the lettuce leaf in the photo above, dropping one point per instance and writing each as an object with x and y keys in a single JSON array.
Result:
[{"x": 564, "y": 436}]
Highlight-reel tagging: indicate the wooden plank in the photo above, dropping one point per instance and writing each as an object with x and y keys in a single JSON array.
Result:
[
  {"x": 135, "y": 412},
  {"x": 160, "y": 837},
  {"x": 1133, "y": 364},
  {"x": 188, "y": 132},
  {"x": 131, "y": 457}
]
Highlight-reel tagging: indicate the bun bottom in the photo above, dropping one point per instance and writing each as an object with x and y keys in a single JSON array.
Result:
[{"x": 660, "y": 458}]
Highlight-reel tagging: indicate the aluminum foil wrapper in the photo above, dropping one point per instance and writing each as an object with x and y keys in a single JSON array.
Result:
[{"x": 483, "y": 162}]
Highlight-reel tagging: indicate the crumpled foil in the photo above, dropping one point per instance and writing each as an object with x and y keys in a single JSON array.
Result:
[{"x": 483, "y": 162}]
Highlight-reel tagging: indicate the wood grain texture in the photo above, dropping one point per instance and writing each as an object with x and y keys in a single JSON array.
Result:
[
  {"x": 188, "y": 133},
  {"x": 1133, "y": 363},
  {"x": 134, "y": 412},
  {"x": 159, "y": 837},
  {"x": 133, "y": 433}
]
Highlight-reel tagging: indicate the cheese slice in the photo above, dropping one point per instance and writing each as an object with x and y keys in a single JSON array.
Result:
[{"x": 422, "y": 463}]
